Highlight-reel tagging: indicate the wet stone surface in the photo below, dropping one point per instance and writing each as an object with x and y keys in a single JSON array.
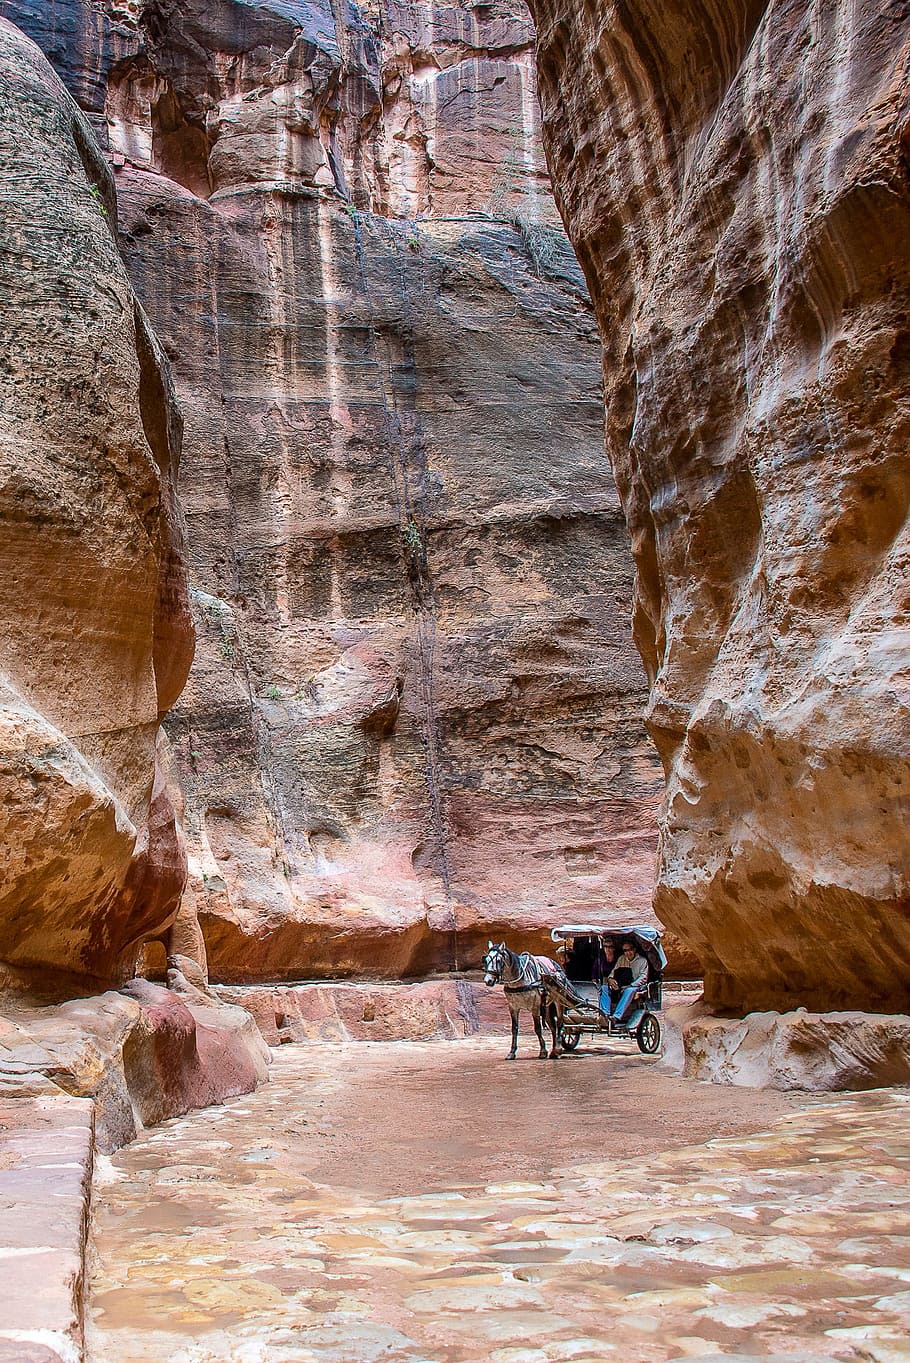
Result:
[{"x": 430, "y": 1204}]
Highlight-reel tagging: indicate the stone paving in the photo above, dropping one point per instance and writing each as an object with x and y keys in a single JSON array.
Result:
[{"x": 217, "y": 1244}]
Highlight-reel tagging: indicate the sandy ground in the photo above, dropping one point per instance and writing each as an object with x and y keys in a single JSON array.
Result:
[
  {"x": 431, "y": 1203},
  {"x": 424, "y": 1117}
]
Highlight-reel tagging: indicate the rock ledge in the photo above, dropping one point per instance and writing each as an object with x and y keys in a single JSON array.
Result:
[{"x": 816, "y": 1052}]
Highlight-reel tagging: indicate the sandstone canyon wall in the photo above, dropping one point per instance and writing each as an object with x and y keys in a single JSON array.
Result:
[
  {"x": 736, "y": 182},
  {"x": 95, "y": 629},
  {"x": 414, "y": 717}
]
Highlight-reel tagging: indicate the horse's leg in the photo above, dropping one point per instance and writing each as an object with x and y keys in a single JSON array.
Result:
[
  {"x": 511, "y": 1055},
  {"x": 555, "y": 1018},
  {"x": 539, "y": 1030}
]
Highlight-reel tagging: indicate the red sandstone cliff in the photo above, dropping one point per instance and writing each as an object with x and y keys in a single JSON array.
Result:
[
  {"x": 416, "y": 702},
  {"x": 95, "y": 631},
  {"x": 734, "y": 177}
]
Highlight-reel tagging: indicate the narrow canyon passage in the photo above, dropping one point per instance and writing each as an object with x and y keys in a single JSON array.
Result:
[{"x": 428, "y": 1203}]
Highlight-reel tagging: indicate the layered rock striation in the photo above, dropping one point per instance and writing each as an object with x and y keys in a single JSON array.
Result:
[
  {"x": 734, "y": 178},
  {"x": 96, "y": 635},
  {"x": 414, "y": 720}
]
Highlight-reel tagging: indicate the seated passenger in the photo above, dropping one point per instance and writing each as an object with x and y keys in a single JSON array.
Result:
[
  {"x": 606, "y": 965},
  {"x": 625, "y": 980},
  {"x": 580, "y": 960},
  {"x": 606, "y": 958}
]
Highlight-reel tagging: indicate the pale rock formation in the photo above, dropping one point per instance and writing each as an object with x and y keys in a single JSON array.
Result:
[
  {"x": 414, "y": 720},
  {"x": 734, "y": 178},
  {"x": 442, "y": 1009},
  {"x": 95, "y": 631},
  {"x": 818, "y": 1052},
  {"x": 142, "y": 1055},
  {"x": 82, "y": 1078},
  {"x": 46, "y": 1165}
]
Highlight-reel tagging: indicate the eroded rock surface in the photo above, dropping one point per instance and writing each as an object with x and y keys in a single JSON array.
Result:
[
  {"x": 46, "y": 1162},
  {"x": 95, "y": 631},
  {"x": 426, "y": 1010},
  {"x": 816, "y": 1052},
  {"x": 414, "y": 718},
  {"x": 735, "y": 181},
  {"x": 142, "y": 1055}
]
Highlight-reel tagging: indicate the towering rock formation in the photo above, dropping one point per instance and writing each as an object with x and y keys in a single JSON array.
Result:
[
  {"x": 734, "y": 177},
  {"x": 415, "y": 714},
  {"x": 95, "y": 631}
]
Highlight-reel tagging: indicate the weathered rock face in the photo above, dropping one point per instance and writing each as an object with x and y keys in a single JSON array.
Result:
[
  {"x": 414, "y": 717},
  {"x": 735, "y": 181},
  {"x": 95, "y": 630},
  {"x": 424, "y": 1010},
  {"x": 817, "y": 1052},
  {"x": 142, "y": 1055},
  {"x": 45, "y": 1197}
]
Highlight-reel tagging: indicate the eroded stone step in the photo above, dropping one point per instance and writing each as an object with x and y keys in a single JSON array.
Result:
[{"x": 46, "y": 1158}]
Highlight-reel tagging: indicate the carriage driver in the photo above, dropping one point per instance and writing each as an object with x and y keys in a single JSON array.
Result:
[{"x": 625, "y": 979}]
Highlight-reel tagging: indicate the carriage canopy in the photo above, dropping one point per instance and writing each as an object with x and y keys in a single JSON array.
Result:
[{"x": 647, "y": 939}]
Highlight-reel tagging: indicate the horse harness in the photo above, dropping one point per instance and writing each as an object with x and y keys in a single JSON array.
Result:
[{"x": 529, "y": 974}]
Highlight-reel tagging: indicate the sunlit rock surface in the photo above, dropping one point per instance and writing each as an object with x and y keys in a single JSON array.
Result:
[
  {"x": 95, "y": 630},
  {"x": 735, "y": 181},
  {"x": 414, "y": 717}
]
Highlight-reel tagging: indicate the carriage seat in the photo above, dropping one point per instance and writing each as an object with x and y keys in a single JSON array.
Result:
[{"x": 653, "y": 986}]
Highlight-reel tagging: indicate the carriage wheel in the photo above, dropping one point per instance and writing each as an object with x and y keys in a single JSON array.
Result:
[
  {"x": 648, "y": 1034},
  {"x": 569, "y": 1040}
]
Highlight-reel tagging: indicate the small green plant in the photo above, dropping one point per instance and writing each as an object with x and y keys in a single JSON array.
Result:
[
  {"x": 412, "y": 241},
  {"x": 350, "y": 209},
  {"x": 96, "y": 195},
  {"x": 217, "y": 617},
  {"x": 413, "y": 540},
  {"x": 273, "y": 693}
]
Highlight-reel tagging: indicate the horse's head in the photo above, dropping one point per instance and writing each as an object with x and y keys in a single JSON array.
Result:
[{"x": 494, "y": 963}]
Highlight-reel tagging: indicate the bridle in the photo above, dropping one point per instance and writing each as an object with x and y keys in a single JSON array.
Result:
[{"x": 494, "y": 964}]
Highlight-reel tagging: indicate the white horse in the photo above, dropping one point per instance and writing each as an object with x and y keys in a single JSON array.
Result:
[{"x": 532, "y": 982}]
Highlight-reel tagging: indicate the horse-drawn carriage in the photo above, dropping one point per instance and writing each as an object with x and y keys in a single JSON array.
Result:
[
  {"x": 593, "y": 993},
  {"x": 598, "y": 1011}
]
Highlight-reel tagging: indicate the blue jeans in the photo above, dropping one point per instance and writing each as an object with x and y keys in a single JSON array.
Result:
[{"x": 623, "y": 1004}]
